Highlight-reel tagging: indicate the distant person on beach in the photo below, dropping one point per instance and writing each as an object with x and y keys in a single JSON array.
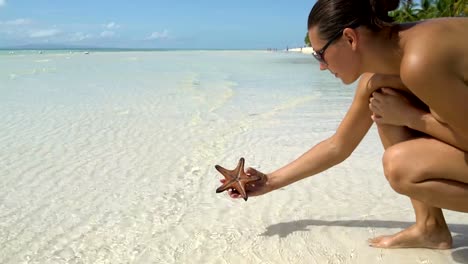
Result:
[{"x": 414, "y": 86}]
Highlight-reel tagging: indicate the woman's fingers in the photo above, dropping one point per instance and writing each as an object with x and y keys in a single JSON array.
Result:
[
  {"x": 252, "y": 187},
  {"x": 234, "y": 195},
  {"x": 390, "y": 91},
  {"x": 380, "y": 101},
  {"x": 376, "y": 96},
  {"x": 377, "y": 119},
  {"x": 251, "y": 171},
  {"x": 374, "y": 108}
]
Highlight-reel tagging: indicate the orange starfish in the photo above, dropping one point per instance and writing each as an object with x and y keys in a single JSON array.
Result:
[{"x": 236, "y": 179}]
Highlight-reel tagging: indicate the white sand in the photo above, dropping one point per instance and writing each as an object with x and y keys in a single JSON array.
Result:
[
  {"x": 304, "y": 50},
  {"x": 122, "y": 177}
]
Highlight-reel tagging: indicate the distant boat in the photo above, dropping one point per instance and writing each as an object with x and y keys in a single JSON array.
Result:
[{"x": 86, "y": 52}]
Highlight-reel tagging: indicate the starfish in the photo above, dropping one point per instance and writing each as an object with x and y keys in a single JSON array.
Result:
[{"x": 236, "y": 179}]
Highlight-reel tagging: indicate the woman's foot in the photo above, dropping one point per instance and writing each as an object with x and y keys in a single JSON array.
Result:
[{"x": 435, "y": 237}]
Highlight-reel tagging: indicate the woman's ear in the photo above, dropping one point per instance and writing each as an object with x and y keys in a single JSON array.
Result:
[{"x": 351, "y": 36}]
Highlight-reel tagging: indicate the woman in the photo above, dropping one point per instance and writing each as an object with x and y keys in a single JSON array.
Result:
[{"x": 420, "y": 114}]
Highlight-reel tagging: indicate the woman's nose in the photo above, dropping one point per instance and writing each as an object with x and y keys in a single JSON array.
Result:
[{"x": 323, "y": 66}]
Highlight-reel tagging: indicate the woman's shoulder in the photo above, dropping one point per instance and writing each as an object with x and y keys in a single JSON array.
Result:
[
  {"x": 438, "y": 32},
  {"x": 453, "y": 23},
  {"x": 434, "y": 49},
  {"x": 435, "y": 43}
]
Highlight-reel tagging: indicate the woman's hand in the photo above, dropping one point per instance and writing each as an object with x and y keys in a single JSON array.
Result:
[
  {"x": 392, "y": 108},
  {"x": 255, "y": 188}
]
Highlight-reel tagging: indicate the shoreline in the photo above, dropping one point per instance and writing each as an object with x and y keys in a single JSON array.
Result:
[{"x": 304, "y": 50}]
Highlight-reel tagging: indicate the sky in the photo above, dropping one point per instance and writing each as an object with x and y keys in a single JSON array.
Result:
[{"x": 171, "y": 24}]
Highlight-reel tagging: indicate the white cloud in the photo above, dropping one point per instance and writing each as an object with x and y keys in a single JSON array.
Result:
[
  {"x": 159, "y": 35},
  {"x": 112, "y": 25},
  {"x": 2, "y": 3},
  {"x": 44, "y": 33},
  {"x": 80, "y": 36},
  {"x": 16, "y": 22},
  {"x": 107, "y": 34}
]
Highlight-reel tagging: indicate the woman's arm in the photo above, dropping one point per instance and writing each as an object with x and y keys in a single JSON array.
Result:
[
  {"x": 338, "y": 147},
  {"x": 427, "y": 123},
  {"x": 392, "y": 108},
  {"x": 434, "y": 78}
]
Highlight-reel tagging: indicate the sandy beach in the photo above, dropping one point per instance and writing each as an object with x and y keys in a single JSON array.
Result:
[
  {"x": 109, "y": 158},
  {"x": 304, "y": 50}
]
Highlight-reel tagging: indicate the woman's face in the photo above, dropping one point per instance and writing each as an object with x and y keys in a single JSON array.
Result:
[{"x": 338, "y": 57}]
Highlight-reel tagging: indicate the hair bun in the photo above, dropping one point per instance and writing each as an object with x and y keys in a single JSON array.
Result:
[{"x": 381, "y": 7}]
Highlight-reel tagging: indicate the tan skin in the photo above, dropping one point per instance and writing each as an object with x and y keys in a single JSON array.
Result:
[{"x": 426, "y": 144}]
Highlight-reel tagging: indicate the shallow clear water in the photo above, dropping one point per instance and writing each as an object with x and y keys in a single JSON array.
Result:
[{"x": 108, "y": 157}]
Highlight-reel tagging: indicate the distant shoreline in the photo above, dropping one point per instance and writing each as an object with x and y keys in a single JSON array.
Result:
[
  {"x": 113, "y": 49},
  {"x": 19, "y": 50},
  {"x": 305, "y": 50}
]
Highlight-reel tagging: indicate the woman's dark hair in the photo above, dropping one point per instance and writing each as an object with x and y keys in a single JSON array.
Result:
[{"x": 331, "y": 16}]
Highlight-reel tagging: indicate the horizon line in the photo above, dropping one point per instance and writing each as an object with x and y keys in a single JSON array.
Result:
[{"x": 126, "y": 48}]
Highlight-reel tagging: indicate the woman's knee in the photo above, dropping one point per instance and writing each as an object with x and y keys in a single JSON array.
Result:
[{"x": 397, "y": 168}]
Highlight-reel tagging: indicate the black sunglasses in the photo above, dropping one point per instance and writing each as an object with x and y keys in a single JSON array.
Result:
[{"x": 320, "y": 54}]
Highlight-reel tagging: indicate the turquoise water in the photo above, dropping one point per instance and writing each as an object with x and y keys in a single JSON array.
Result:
[
  {"x": 108, "y": 157},
  {"x": 70, "y": 78}
]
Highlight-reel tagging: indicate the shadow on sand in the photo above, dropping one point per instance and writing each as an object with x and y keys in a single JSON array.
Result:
[
  {"x": 460, "y": 255},
  {"x": 460, "y": 238}
]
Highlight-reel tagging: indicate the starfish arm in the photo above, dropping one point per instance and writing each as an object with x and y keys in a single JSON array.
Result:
[
  {"x": 250, "y": 178},
  {"x": 240, "y": 187},
  {"x": 225, "y": 186},
  {"x": 240, "y": 167},
  {"x": 228, "y": 174}
]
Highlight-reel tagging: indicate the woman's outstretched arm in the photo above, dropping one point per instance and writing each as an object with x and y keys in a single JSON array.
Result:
[{"x": 338, "y": 147}]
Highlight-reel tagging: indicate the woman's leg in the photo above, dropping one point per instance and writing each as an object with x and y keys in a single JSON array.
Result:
[
  {"x": 434, "y": 175},
  {"x": 430, "y": 171}
]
